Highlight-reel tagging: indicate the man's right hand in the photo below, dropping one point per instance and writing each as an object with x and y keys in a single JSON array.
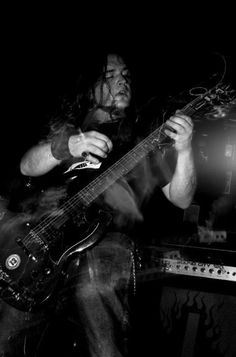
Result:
[{"x": 93, "y": 143}]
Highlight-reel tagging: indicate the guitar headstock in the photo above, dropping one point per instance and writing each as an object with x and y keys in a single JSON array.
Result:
[
  {"x": 221, "y": 94},
  {"x": 211, "y": 103},
  {"x": 221, "y": 99},
  {"x": 201, "y": 102}
]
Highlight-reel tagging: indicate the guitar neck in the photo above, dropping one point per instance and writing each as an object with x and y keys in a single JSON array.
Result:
[{"x": 120, "y": 168}]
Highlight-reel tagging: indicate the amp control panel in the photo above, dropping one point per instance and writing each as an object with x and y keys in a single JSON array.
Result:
[{"x": 199, "y": 269}]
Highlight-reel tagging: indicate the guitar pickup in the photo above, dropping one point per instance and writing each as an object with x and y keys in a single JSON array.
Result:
[{"x": 26, "y": 250}]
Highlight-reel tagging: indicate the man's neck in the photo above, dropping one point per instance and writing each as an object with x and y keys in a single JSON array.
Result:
[
  {"x": 107, "y": 114},
  {"x": 102, "y": 116}
]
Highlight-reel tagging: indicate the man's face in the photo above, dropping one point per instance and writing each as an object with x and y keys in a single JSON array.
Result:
[{"x": 115, "y": 90}]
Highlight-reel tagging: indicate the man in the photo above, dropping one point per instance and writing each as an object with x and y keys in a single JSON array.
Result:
[
  {"x": 115, "y": 92},
  {"x": 91, "y": 138}
]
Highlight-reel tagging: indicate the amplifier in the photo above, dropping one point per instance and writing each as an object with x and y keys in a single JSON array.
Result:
[{"x": 194, "y": 261}]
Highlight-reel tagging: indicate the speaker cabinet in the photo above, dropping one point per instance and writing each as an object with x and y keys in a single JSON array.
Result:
[{"x": 187, "y": 318}]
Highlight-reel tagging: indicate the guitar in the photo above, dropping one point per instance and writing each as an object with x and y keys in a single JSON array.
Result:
[{"x": 33, "y": 253}]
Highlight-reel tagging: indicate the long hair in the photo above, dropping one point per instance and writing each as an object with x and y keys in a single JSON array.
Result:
[{"x": 79, "y": 101}]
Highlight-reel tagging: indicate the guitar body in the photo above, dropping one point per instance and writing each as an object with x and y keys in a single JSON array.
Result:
[{"x": 31, "y": 264}]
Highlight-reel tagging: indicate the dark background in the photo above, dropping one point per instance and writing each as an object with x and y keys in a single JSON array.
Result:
[{"x": 172, "y": 50}]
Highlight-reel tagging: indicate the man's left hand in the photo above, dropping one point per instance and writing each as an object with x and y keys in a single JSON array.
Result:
[{"x": 182, "y": 127}]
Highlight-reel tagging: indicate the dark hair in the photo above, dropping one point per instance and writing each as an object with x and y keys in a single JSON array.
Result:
[{"x": 75, "y": 104}]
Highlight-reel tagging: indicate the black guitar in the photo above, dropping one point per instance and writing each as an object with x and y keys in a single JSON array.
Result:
[{"x": 32, "y": 254}]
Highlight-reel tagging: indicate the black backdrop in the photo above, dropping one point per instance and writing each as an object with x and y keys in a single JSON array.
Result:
[{"x": 41, "y": 53}]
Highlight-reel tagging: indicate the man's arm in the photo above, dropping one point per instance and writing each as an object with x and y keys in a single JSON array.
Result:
[
  {"x": 180, "y": 190},
  {"x": 40, "y": 159}
]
